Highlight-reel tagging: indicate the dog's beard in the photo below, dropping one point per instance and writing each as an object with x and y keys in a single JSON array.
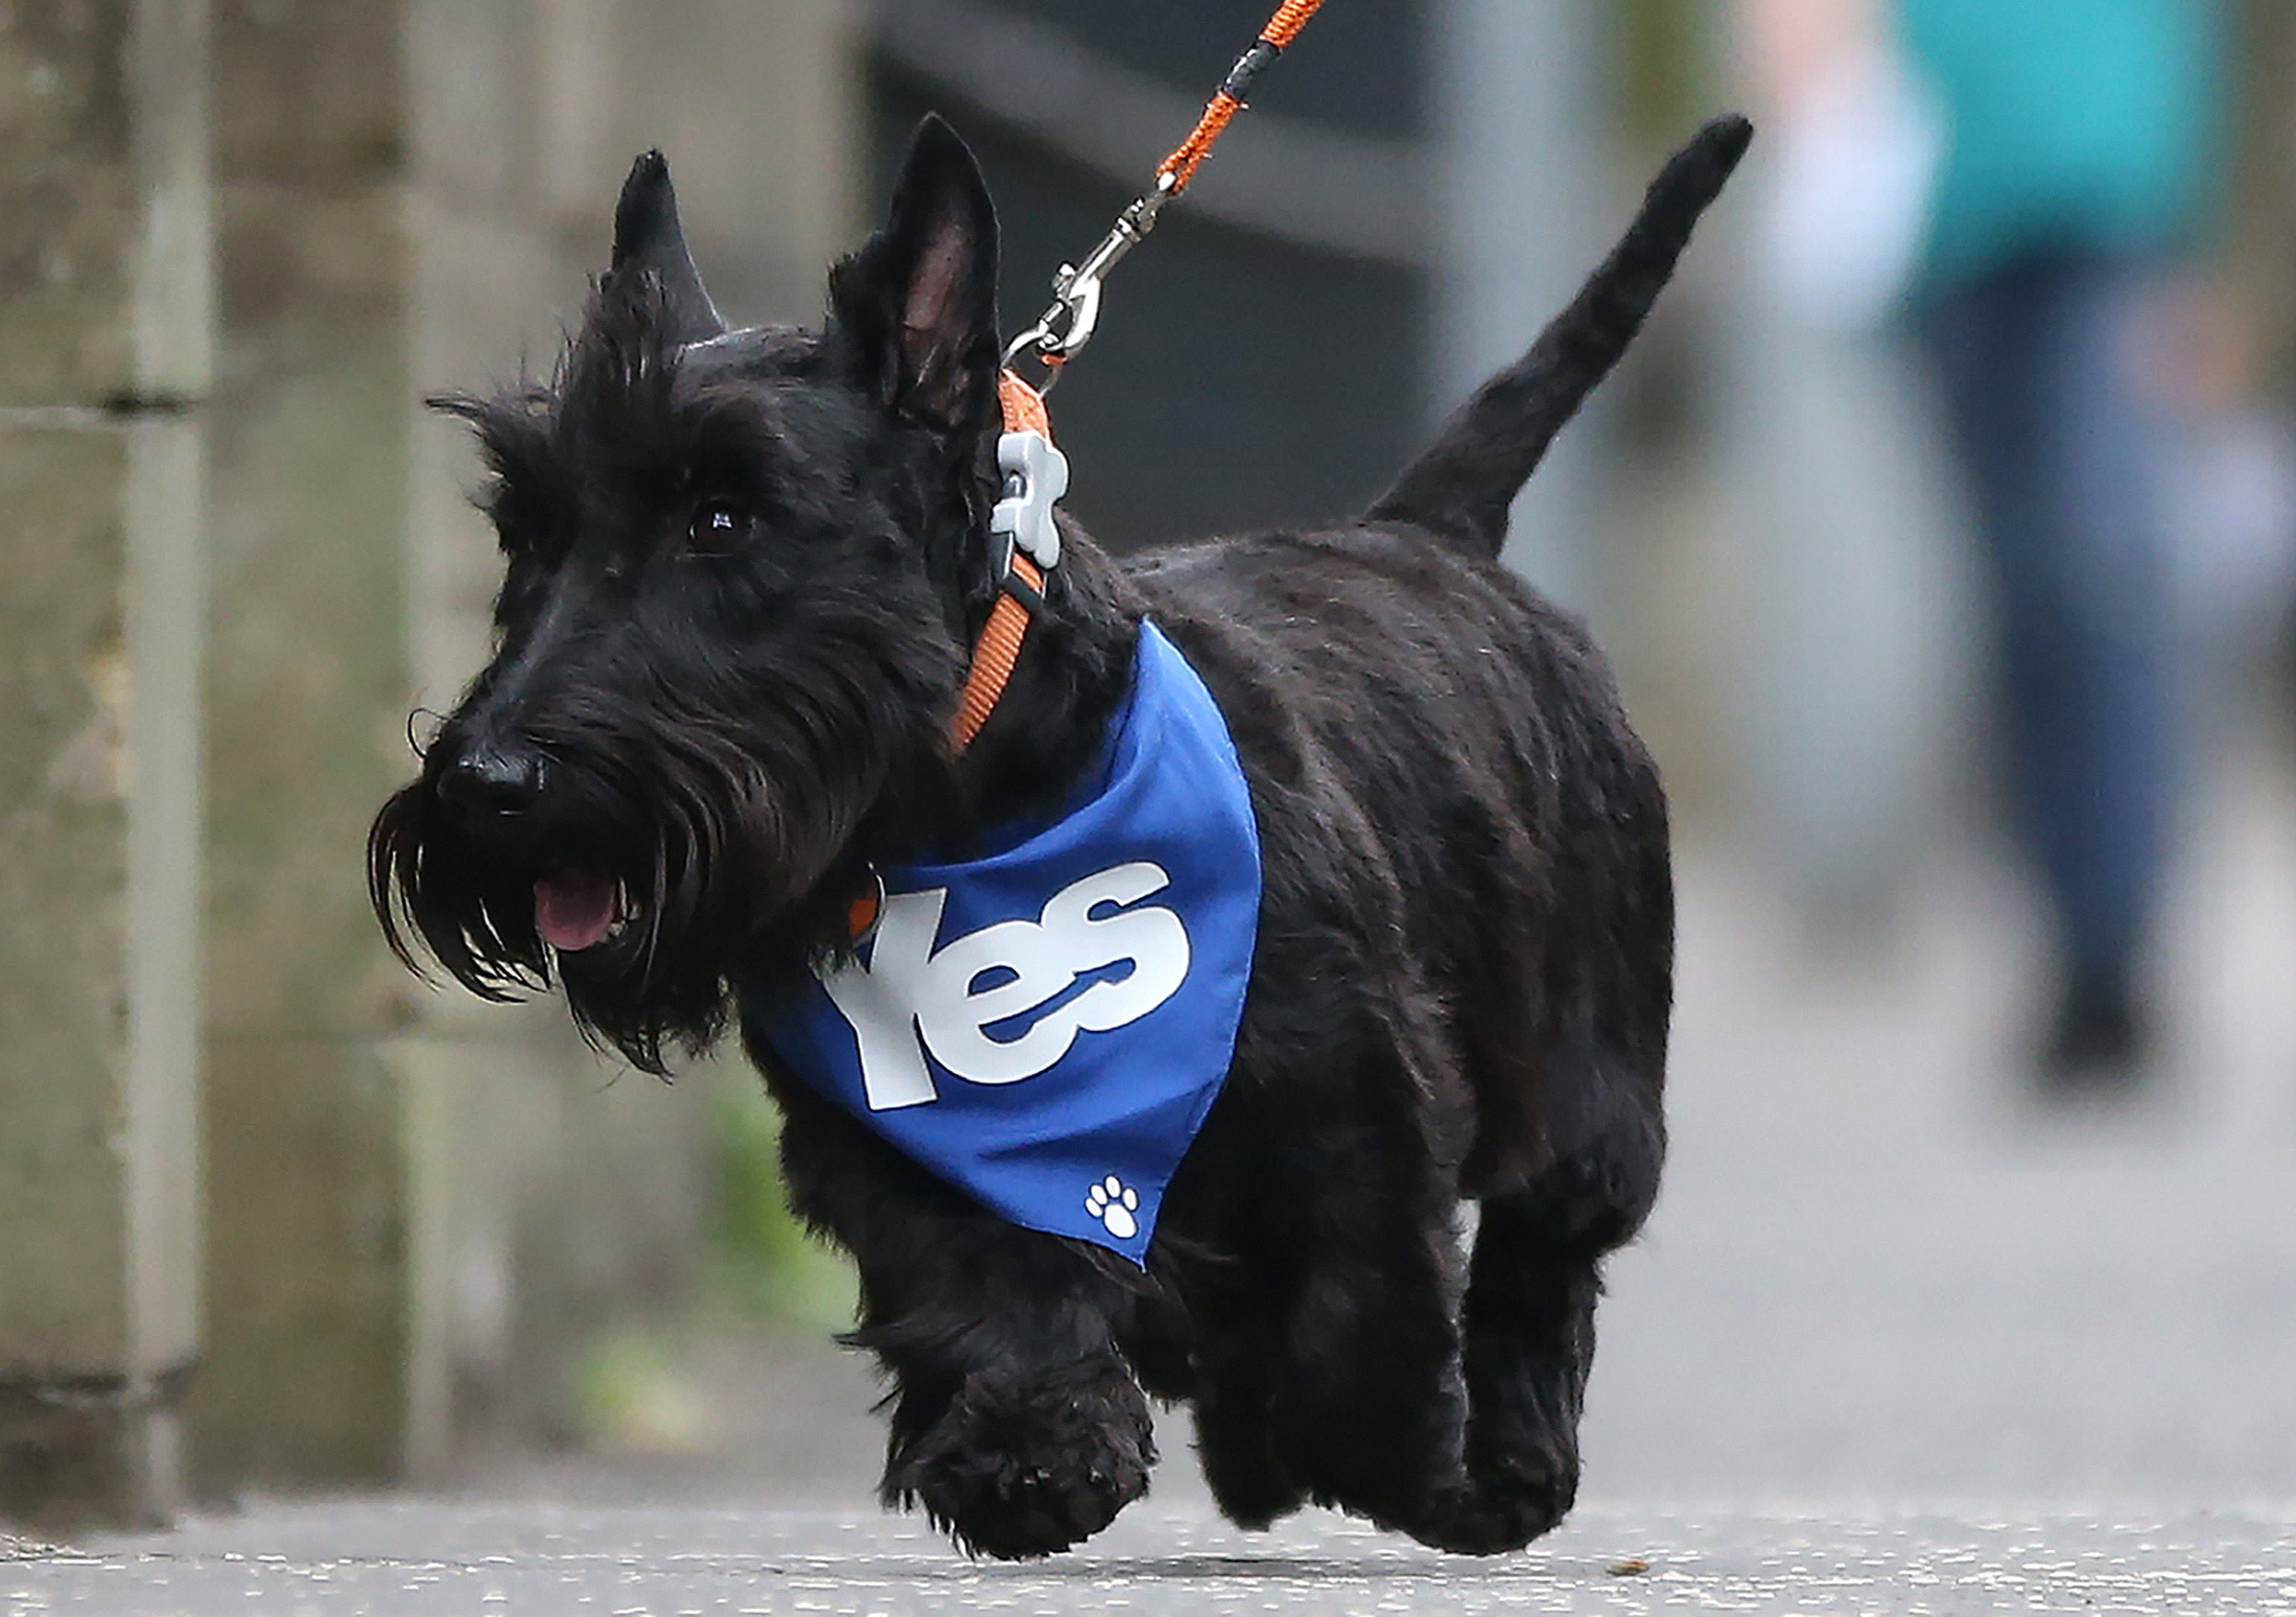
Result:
[{"x": 684, "y": 860}]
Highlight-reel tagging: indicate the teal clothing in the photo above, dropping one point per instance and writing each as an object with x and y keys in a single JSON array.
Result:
[{"x": 2076, "y": 124}]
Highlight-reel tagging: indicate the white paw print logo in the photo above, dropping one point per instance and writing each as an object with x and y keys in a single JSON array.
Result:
[{"x": 1113, "y": 1203}]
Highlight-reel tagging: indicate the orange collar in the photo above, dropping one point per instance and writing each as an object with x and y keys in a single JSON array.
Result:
[{"x": 999, "y": 646}]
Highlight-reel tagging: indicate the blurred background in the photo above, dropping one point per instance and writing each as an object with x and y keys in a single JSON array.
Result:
[{"x": 1943, "y": 528}]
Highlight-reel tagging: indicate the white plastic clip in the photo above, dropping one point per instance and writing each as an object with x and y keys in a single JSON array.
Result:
[{"x": 1036, "y": 476}]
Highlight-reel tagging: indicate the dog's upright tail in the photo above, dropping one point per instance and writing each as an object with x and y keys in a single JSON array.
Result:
[{"x": 1460, "y": 487}]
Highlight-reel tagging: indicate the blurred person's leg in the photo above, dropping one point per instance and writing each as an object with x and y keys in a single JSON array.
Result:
[{"x": 2040, "y": 373}]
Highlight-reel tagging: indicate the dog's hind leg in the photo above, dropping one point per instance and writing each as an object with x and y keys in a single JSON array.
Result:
[
  {"x": 1367, "y": 1407},
  {"x": 1529, "y": 1318},
  {"x": 1378, "y": 1412},
  {"x": 1366, "y": 1403},
  {"x": 1529, "y": 1341},
  {"x": 1455, "y": 1419},
  {"x": 1367, "y": 1398}
]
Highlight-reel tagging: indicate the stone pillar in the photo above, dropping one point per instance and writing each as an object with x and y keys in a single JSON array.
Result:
[
  {"x": 105, "y": 332},
  {"x": 303, "y": 1378}
]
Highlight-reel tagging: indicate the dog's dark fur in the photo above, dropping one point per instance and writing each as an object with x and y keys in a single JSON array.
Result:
[{"x": 743, "y": 571}]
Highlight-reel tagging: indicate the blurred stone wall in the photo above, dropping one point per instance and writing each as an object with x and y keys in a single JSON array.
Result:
[
  {"x": 306, "y": 1281},
  {"x": 105, "y": 338},
  {"x": 415, "y": 1211}
]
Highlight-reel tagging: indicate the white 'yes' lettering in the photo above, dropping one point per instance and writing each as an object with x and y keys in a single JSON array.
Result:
[{"x": 910, "y": 991}]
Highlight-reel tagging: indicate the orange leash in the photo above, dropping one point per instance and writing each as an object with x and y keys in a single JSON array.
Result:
[
  {"x": 1189, "y": 155},
  {"x": 1066, "y": 325}
]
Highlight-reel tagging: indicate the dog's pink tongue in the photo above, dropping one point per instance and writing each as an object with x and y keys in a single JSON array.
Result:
[{"x": 573, "y": 911}]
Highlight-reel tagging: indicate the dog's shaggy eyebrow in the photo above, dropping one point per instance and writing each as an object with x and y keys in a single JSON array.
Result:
[
  {"x": 625, "y": 384},
  {"x": 513, "y": 428},
  {"x": 722, "y": 425},
  {"x": 719, "y": 434}
]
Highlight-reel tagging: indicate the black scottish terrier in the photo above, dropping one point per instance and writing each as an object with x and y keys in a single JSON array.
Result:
[{"x": 743, "y": 572}]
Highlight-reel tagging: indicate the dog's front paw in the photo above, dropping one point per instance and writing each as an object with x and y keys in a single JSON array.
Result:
[{"x": 1016, "y": 1472}]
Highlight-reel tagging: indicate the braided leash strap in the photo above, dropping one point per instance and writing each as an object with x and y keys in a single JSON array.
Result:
[{"x": 1281, "y": 29}]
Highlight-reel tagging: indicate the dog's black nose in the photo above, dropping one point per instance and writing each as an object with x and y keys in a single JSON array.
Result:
[{"x": 493, "y": 778}]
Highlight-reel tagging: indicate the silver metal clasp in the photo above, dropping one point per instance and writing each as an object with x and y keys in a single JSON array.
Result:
[{"x": 1067, "y": 321}]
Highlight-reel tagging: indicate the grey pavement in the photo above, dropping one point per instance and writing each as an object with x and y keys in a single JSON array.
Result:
[
  {"x": 1899, "y": 1339},
  {"x": 1881, "y": 1270},
  {"x": 435, "y": 1559}
]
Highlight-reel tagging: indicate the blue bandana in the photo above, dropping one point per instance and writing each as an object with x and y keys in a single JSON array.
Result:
[{"x": 1046, "y": 1025}]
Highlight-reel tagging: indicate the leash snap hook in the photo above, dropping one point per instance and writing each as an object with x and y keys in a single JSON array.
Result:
[
  {"x": 1066, "y": 325},
  {"x": 1069, "y": 320}
]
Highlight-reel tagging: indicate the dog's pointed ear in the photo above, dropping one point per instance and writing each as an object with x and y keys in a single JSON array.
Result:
[
  {"x": 647, "y": 236},
  {"x": 918, "y": 301}
]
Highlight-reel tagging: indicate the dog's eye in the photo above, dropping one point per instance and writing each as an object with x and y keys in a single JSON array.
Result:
[{"x": 719, "y": 526}]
